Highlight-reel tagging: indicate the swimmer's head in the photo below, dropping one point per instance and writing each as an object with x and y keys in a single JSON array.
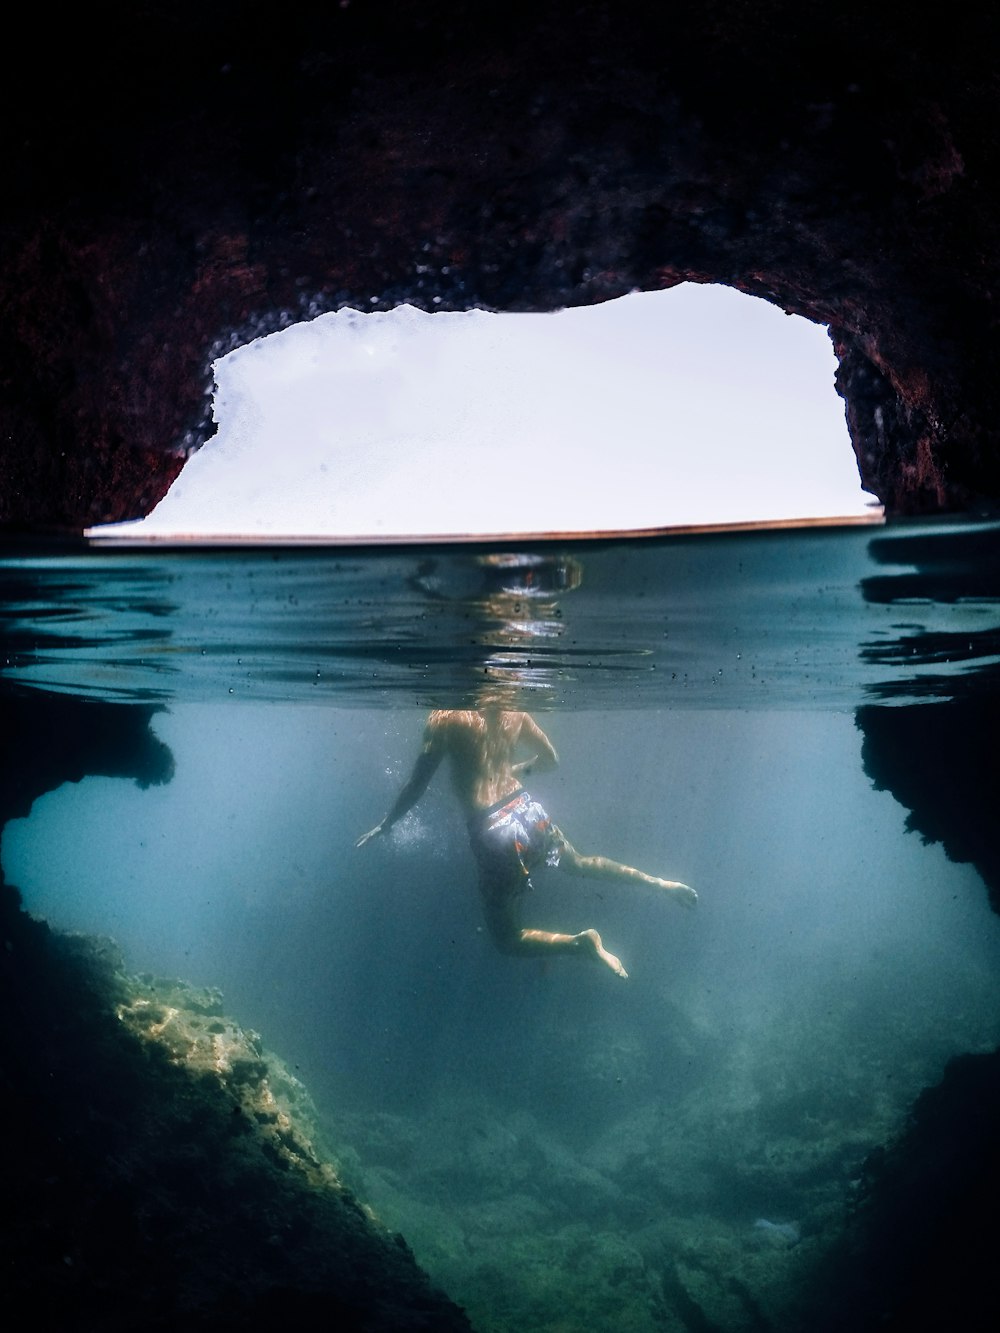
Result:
[{"x": 498, "y": 692}]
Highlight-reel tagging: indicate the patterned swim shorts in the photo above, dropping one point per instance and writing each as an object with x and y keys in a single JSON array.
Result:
[{"x": 511, "y": 839}]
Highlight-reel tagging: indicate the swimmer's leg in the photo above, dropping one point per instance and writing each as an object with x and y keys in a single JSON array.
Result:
[
  {"x": 601, "y": 867},
  {"x": 502, "y": 914},
  {"x": 587, "y": 940}
]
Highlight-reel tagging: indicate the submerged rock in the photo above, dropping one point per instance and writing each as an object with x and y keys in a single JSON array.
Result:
[
  {"x": 162, "y": 1169},
  {"x": 780, "y": 1233}
]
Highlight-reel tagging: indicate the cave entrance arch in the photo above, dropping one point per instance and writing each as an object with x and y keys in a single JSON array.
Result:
[{"x": 688, "y": 407}]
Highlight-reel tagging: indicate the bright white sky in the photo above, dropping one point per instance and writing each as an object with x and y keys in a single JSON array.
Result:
[{"x": 693, "y": 406}]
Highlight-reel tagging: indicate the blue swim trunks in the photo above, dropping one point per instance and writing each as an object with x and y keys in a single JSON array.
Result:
[{"x": 512, "y": 838}]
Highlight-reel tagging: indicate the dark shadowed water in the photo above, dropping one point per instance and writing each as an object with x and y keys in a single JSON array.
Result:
[{"x": 762, "y": 715}]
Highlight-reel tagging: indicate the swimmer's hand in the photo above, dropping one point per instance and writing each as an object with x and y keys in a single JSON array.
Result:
[{"x": 372, "y": 833}]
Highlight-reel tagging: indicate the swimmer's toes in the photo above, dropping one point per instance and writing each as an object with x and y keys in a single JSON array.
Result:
[{"x": 615, "y": 963}]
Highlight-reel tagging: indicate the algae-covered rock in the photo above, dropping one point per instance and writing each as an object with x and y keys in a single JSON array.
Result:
[{"x": 163, "y": 1170}]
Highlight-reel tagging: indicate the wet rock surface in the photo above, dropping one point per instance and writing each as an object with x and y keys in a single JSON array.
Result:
[
  {"x": 774, "y": 1194},
  {"x": 919, "y": 1249},
  {"x": 162, "y": 1170},
  {"x": 181, "y": 179}
]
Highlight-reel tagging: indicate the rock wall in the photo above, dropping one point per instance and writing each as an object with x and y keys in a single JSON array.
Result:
[
  {"x": 162, "y": 1170},
  {"x": 181, "y": 178},
  {"x": 160, "y": 1173}
]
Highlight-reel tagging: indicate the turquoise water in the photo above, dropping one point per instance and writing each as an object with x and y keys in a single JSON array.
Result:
[
  {"x": 789, "y": 618},
  {"x": 742, "y": 711}
]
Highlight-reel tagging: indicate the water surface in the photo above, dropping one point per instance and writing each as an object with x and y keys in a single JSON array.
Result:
[{"x": 547, "y": 1137}]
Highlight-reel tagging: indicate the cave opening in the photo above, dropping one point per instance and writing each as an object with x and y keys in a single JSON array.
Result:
[{"x": 694, "y": 406}]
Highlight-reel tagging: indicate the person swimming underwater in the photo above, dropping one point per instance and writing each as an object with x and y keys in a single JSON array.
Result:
[{"x": 509, "y": 832}]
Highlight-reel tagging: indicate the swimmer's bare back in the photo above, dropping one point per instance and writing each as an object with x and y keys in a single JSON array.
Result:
[{"x": 481, "y": 747}]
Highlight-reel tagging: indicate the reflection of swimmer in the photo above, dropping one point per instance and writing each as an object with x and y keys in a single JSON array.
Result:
[{"x": 509, "y": 832}]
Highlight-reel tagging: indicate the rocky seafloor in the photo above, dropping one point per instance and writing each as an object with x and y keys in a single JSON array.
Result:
[
  {"x": 162, "y": 1170},
  {"x": 166, "y": 1170},
  {"x": 752, "y": 1200}
]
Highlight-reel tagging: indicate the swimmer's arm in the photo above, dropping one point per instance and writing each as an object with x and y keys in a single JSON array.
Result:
[
  {"x": 424, "y": 769},
  {"x": 545, "y": 758}
]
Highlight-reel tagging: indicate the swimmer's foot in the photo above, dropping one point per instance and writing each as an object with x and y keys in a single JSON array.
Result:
[
  {"x": 589, "y": 939},
  {"x": 682, "y": 893}
]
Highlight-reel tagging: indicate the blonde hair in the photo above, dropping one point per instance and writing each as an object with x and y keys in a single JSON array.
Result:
[{"x": 498, "y": 693}]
